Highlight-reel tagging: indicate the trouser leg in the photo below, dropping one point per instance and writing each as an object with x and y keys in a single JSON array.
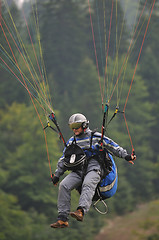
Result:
[
  {"x": 89, "y": 185},
  {"x": 70, "y": 182}
]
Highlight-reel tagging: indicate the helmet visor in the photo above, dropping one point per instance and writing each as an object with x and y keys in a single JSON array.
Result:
[{"x": 75, "y": 125}]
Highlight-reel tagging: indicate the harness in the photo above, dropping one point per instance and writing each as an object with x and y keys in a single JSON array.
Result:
[
  {"x": 76, "y": 159},
  {"x": 102, "y": 157}
]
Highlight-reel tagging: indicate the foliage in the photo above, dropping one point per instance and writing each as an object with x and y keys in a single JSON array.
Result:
[
  {"x": 6, "y": 45},
  {"x": 28, "y": 199},
  {"x": 141, "y": 224},
  {"x": 14, "y": 222},
  {"x": 66, "y": 47},
  {"x": 25, "y": 157},
  {"x": 110, "y": 38}
]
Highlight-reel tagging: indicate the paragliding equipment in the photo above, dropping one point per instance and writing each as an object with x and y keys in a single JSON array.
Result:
[
  {"x": 135, "y": 33},
  {"x": 100, "y": 199},
  {"x": 38, "y": 89},
  {"x": 105, "y": 116},
  {"x": 48, "y": 125},
  {"x": 123, "y": 67},
  {"x": 53, "y": 119}
]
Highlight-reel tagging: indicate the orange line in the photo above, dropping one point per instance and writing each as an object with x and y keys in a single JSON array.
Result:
[
  {"x": 35, "y": 53},
  {"x": 21, "y": 82},
  {"x": 139, "y": 54},
  {"x": 0, "y": 12},
  {"x": 22, "y": 58},
  {"x": 95, "y": 50},
  {"x": 128, "y": 133},
  {"x": 127, "y": 52},
  {"x": 108, "y": 44},
  {"x": 135, "y": 72},
  {"x": 29, "y": 95}
]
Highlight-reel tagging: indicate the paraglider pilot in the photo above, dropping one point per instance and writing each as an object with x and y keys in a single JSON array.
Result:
[{"x": 83, "y": 157}]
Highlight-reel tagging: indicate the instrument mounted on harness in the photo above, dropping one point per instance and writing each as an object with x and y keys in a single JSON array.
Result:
[{"x": 74, "y": 157}]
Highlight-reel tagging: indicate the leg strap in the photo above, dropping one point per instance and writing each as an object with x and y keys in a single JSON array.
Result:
[
  {"x": 102, "y": 201},
  {"x": 98, "y": 210}
]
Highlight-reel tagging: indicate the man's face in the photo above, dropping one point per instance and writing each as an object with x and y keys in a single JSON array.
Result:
[{"x": 77, "y": 131}]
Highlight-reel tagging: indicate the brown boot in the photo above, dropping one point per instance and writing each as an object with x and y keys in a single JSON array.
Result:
[
  {"x": 78, "y": 215},
  {"x": 60, "y": 224}
]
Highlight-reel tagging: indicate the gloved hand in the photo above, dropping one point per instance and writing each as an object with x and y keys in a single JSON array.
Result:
[
  {"x": 55, "y": 179},
  {"x": 130, "y": 158}
]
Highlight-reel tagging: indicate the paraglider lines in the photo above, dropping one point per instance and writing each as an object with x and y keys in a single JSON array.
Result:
[
  {"x": 95, "y": 51},
  {"x": 22, "y": 74},
  {"x": 135, "y": 72}
]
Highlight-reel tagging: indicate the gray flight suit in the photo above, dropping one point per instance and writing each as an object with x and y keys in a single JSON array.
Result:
[{"x": 88, "y": 179}]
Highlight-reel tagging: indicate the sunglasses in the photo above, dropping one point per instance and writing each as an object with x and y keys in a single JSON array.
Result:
[{"x": 75, "y": 125}]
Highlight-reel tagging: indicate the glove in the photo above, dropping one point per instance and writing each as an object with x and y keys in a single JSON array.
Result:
[
  {"x": 55, "y": 180},
  {"x": 130, "y": 158}
]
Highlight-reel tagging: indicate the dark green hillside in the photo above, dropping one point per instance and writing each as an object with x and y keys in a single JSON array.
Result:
[{"x": 28, "y": 199}]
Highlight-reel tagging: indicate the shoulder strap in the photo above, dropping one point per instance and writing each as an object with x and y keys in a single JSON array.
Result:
[
  {"x": 74, "y": 140},
  {"x": 92, "y": 134}
]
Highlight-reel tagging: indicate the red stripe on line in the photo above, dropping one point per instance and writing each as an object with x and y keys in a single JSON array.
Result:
[
  {"x": 28, "y": 92},
  {"x": 21, "y": 56},
  {"x": 127, "y": 52},
  {"x": 34, "y": 51},
  {"x": 108, "y": 45},
  {"x": 95, "y": 50},
  {"x": 139, "y": 54}
]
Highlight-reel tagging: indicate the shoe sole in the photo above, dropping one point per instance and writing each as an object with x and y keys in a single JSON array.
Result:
[
  {"x": 59, "y": 226},
  {"x": 62, "y": 226},
  {"x": 78, "y": 218}
]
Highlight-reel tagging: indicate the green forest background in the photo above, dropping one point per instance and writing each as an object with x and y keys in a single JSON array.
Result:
[{"x": 27, "y": 196}]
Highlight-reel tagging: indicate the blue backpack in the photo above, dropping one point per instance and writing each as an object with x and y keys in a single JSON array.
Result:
[{"x": 108, "y": 185}]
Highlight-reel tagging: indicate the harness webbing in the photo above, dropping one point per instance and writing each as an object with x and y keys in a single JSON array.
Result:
[
  {"x": 53, "y": 119},
  {"x": 105, "y": 115}
]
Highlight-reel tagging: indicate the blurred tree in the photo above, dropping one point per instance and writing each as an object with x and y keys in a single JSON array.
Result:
[
  {"x": 149, "y": 68},
  {"x": 63, "y": 28},
  {"x": 139, "y": 119},
  {"x": 85, "y": 95},
  {"x": 15, "y": 223},
  {"x": 149, "y": 57},
  {"x": 110, "y": 32},
  {"x": 24, "y": 171},
  {"x": 25, "y": 158},
  {"x": 9, "y": 91}
]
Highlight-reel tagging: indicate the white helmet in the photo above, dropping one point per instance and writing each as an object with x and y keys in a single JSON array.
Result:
[{"x": 78, "y": 120}]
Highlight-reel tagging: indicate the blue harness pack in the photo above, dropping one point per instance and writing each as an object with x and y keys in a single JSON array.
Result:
[{"x": 108, "y": 185}]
